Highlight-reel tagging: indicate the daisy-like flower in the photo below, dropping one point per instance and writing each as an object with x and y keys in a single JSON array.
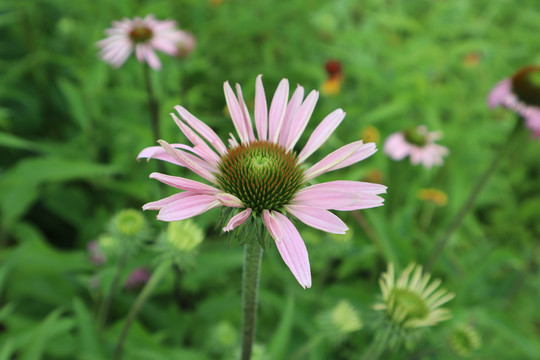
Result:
[
  {"x": 410, "y": 301},
  {"x": 144, "y": 35},
  {"x": 417, "y": 143},
  {"x": 521, "y": 94},
  {"x": 261, "y": 175}
]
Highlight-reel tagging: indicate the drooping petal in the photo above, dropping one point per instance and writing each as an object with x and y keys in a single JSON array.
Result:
[
  {"x": 272, "y": 226},
  {"x": 321, "y": 133},
  {"x": 357, "y": 187},
  {"x": 318, "y": 218},
  {"x": 247, "y": 119},
  {"x": 325, "y": 199},
  {"x": 500, "y": 92},
  {"x": 261, "y": 110},
  {"x": 204, "y": 130},
  {"x": 229, "y": 200},
  {"x": 237, "y": 220},
  {"x": 159, "y": 204},
  {"x": 236, "y": 113},
  {"x": 334, "y": 159},
  {"x": 185, "y": 184},
  {"x": 188, "y": 162},
  {"x": 188, "y": 207},
  {"x": 204, "y": 150},
  {"x": 157, "y": 152},
  {"x": 301, "y": 119},
  {"x": 277, "y": 110},
  {"x": 292, "y": 249}
]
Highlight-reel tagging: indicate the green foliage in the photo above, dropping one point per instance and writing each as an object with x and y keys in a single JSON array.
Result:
[{"x": 71, "y": 127}]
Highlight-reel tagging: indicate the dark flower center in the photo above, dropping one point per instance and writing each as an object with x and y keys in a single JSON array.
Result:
[
  {"x": 413, "y": 136},
  {"x": 140, "y": 34},
  {"x": 261, "y": 174},
  {"x": 526, "y": 85}
]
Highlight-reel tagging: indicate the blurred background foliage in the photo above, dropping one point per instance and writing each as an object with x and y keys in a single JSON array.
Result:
[{"x": 71, "y": 127}]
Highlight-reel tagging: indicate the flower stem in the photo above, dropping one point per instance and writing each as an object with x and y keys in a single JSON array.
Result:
[
  {"x": 250, "y": 288},
  {"x": 467, "y": 206},
  {"x": 104, "y": 308},
  {"x": 152, "y": 103},
  {"x": 141, "y": 299}
]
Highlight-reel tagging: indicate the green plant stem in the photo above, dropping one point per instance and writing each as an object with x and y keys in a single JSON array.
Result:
[
  {"x": 250, "y": 289},
  {"x": 471, "y": 198},
  {"x": 152, "y": 103},
  {"x": 304, "y": 350},
  {"x": 150, "y": 286},
  {"x": 377, "y": 347},
  {"x": 104, "y": 309}
]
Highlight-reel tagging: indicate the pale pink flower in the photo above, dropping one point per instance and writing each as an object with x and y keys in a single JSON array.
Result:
[
  {"x": 417, "y": 143},
  {"x": 137, "y": 278},
  {"x": 521, "y": 94},
  {"x": 144, "y": 35},
  {"x": 261, "y": 175},
  {"x": 186, "y": 44}
]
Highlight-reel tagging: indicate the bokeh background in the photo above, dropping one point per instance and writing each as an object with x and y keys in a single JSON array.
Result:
[{"x": 71, "y": 127}]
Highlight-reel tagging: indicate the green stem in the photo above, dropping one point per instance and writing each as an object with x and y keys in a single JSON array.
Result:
[
  {"x": 250, "y": 288},
  {"x": 139, "y": 302},
  {"x": 377, "y": 346},
  {"x": 152, "y": 103},
  {"x": 104, "y": 309},
  {"x": 467, "y": 206},
  {"x": 304, "y": 350}
]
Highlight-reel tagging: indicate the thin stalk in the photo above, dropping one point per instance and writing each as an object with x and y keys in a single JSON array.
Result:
[
  {"x": 152, "y": 103},
  {"x": 471, "y": 199},
  {"x": 377, "y": 346},
  {"x": 304, "y": 350},
  {"x": 139, "y": 302},
  {"x": 104, "y": 309},
  {"x": 250, "y": 289}
]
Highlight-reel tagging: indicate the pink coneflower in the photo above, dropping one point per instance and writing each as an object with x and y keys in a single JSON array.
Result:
[
  {"x": 520, "y": 93},
  {"x": 145, "y": 35},
  {"x": 261, "y": 176},
  {"x": 417, "y": 143}
]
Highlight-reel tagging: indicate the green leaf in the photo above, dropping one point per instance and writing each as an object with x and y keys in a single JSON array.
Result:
[
  {"x": 15, "y": 142},
  {"x": 88, "y": 339},
  {"x": 277, "y": 347}
]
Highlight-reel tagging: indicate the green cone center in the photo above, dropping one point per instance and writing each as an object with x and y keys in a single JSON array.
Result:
[
  {"x": 140, "y": 34},
  {"x": 412, "y": 136},
  {"x": 411, "y": 303},
  {"x": 261, "y": 174},
  {"x": 526, "y": 85}
]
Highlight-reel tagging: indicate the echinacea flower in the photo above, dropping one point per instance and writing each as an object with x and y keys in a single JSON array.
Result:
[
  {"x": 144, "y": 35},
  {"x": 261, "y": 175},
  {"x": 521, "y": 94},
  {"x": 410, "y": 301},
  {"x": 417, "y": 143}
]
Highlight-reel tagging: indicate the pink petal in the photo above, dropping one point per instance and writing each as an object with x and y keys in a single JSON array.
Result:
[
  {"x": 277, "y": 110},
  {"x": 499, "y": 92},
  {"x": 204, "y": 150},
  {"x": 324, "y": 199},
  {"x": 188, "y": 162},
  {"x": 321, "y": 133},
  {"x": 294, "y": 104},
  {"x": 185, "y": 184},
  {"x": 272, "y": 226},
  {"x": 364, "y": 152},
  {"x": 237, "y": 220},
  {"x": 229, "y": 200},
  {"x": 203, "y": 129},
  {"x": 188, "y": 207},
  {"x": 357, "y": 187},
  {"x": 334, "y": 159},
  {"x": 301, "y": 119},
  {"x": 245, "y": 112},
  {"x": 236, "y": 113},
  {"x": 159, "y": 204},
  {"x": 318, "y": 218},
  {"x": 291, "y": 247},
  {"x": 157, "y": 152},
  {"x": 261, "y": 110},
  {"x": 366, "y": 201}
]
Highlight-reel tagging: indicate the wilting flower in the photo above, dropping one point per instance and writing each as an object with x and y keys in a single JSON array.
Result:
[
  {"x": 332, "y": 84},
  {"x": 521, "y": 94},
  {"x": 144, "y": 35},
  {"x": 410, "y": 301},
  {"x": 435, "y": 196},
  {"x": 417, "y": 143},
  {"x": 261, "y": 176}
]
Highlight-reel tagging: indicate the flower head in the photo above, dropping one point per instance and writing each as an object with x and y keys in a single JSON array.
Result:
[
  {"x": 521, "y": 94},
  {"x": 144, "y": 35},
  {"x": 262, "y": 178},
  {"x": 410, "y": 301},
  {"x": 340, "y": 321},
  {"x": 417, "y": 143},
  {"x": 137, "y": 278},
  {"x": 464, "y": 340}
]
